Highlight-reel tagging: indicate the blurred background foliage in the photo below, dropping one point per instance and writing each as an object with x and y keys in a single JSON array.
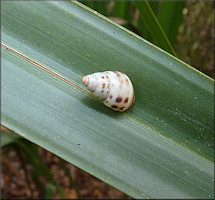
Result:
[
  {"x": 187, "y": 29},
  {"x": 188, "y": 25}
]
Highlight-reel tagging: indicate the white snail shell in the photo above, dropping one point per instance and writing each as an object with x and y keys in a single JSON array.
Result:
[{"x": 112, "y": 87}]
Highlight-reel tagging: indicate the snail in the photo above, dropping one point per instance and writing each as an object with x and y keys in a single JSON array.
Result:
[{"x": 113, "y": 88}]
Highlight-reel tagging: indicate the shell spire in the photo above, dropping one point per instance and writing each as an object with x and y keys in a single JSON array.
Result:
[
  {"x": 114, "y": 88},
  {"x": 85, "y": 80}
]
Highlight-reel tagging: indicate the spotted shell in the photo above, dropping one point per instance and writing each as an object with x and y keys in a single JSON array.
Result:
[{"x": 112, "y": 87}]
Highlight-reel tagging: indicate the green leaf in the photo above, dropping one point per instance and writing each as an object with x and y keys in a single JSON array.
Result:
[
  {"x": 99, "y": 6},
  {"x": 170, "y": 17},
  {"x": 162, "y": 147},
  {"x": 123, "y": 10},
  {"x": 8, "y": 137},
  {"x": 154, "y": 5},
  {"x": 154, "y": 27},
  {"x": 50, "y": 188}
]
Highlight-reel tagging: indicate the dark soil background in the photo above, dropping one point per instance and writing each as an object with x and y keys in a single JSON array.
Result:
[
  {"x": 194, "y": 45},
  {"x": 17, "y": 181}
]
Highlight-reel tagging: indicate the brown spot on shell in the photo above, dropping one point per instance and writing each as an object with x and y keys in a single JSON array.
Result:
[
  {"x": 108, "y": 85},
  {"x": 108, "y": 91},
  {"x": 127, "y": 81},
  {"x": 103, "y": 85},
  {"x": 126, "y": 100},
  {"x": 118, "y": 99},
  {"x": 107, "y": 101},
  {"x": 102, "y": 91},
  {"x": 121, "y": 108},
  {"x": 111, "y": 96},
  {"x": 103, "y": 77},
  {"x": 121, "y": 83},
  {"x": 107, "y": 76},
  {"x": 114, "y": 106},
  {"x": 118, "y": 74}
]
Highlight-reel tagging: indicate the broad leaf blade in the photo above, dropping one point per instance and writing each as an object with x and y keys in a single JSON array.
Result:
[{"x": 161, "y": 147}]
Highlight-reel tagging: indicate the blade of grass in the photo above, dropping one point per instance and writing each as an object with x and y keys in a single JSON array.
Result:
[
  {"x": 154, "y": 6},
  {"x": 74, "y": 185},
  {"x": 50, "y": 188},
  {"x": 154, "y": 26},
  {"x": 170, "y": 17},
  {"x": 123, "y": 10},
  {"x": 99, "y": 6},
  {"x": 34, "y": 158},
  {"x": 141, "y": 25},
  {"x": 8, "y": 137}
]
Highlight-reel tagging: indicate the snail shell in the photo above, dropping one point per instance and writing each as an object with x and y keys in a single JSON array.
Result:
[{"x": 113, "y": 88}]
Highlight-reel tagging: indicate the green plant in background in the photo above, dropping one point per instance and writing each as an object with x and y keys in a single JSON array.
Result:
[
  {"x": 158, "y": 21},
  {"x": 170, "y": 16},
  {"x": 161, "y": 148}
]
